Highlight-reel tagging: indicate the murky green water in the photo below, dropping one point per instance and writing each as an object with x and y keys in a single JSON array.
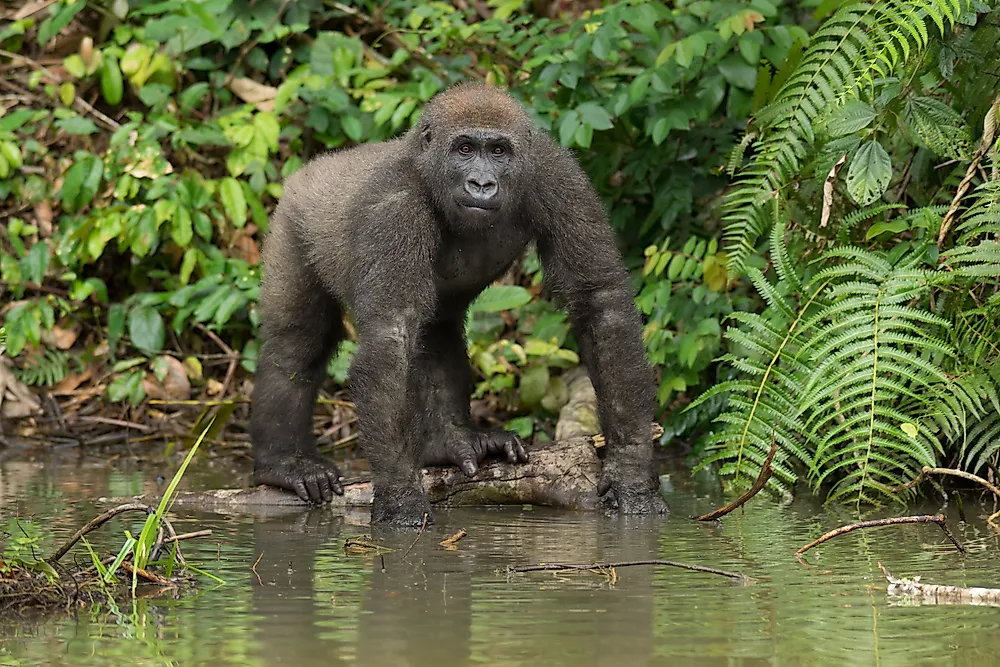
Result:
[{"x": 314, "y": 605}]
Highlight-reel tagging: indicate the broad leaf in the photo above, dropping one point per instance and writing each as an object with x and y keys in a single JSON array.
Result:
[{"x": 869, "y": 173}]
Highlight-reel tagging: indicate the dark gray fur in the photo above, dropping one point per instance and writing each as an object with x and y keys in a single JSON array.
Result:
[{"x": 381, "y": 230}]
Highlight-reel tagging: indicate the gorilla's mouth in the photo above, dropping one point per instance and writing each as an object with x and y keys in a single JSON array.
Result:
[{"x": 478, "y": 205}]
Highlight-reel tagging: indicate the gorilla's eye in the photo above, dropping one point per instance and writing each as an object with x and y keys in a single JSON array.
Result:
[
  {"x": 465, "y": 149},
  {"x": 499, "y": 150}
]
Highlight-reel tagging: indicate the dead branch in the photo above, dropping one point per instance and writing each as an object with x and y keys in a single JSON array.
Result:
[
  {"x": 936, "y": 594},
  {"x": 151, "y": 577},
  {"x": 985, "y": 144},
  {"x": 253, "y": 568},
  {"x": 938, "y": 519},
  {"x": 454, "y": 539},
  {"x": 765, "y": 474},
  {"x": 416, "y": 539},
  {"x": 188, "y": 536},
  {"x": 95, "y": 523},
  {"x": 598, "y": 567}
]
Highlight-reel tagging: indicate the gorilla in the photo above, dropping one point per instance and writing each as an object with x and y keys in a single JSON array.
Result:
[{"x": 403, "y": 235}]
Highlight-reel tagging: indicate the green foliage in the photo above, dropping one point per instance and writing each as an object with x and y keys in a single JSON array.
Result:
[
  {"x": 861, "y": 48},
  {"x": 155, "y": 223},
  {"x": 45, "y": 370},
  {"x": 873, "y": 356}
]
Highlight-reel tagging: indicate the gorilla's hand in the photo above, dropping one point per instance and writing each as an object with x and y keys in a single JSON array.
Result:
[
  {"x": 312, "y": 477},
  {"x": 402, "y": 506},
  {"x": 468, "y": 447},
  {"x": 630, "y": 489}
]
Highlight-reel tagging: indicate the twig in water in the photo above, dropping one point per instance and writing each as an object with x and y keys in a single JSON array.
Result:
[
  {"x": 188, "y": 536},
  {"x": 555, "y": 567},
  {"x": 417, "y": 538},
  {"x": 253, "y": 568},
  {"x": 151, "y": 577},
  {"x": 765, "y": 474},
  {"x": 96, "y": 523},
  {"x": 964, "y": 475},
  {"x": 938, "y": 519},
  {"x": 454, "y": 539}
]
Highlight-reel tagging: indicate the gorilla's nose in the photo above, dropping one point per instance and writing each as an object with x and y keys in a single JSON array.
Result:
[{"x": 481, "y": 186}]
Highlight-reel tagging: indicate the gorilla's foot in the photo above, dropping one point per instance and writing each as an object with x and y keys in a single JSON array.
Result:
[
  {"x": 406, "y": 507},
  {"x": 312, "y": 477},
  {"x": 635, "y": 494},
  {"x": 468, "y": 447}
]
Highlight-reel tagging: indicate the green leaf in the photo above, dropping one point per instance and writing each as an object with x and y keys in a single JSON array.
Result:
[
  {"x": 568, "y": 126},
  {"x": 36, "y": 262},
  {"x": 77, "y": 125},
  {"x": 112, "y": 85},
  {"x": 595, "y": 115},
  {"x": 737, "y": 72},
  {"x": 869, "y": 173},
  {"x": 352, "y": 127},
  {"x": 500, "y": 297},
  {"x": 116, "y": 325},
  {"x": 534, "y": 384},
  {"x": 233, "y": 201},
  {"x": 850, "y": 118},
  {"x": 146, "y": 329}
]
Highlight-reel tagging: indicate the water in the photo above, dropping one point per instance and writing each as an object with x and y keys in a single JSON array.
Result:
[{"x": 315, "y": 605}]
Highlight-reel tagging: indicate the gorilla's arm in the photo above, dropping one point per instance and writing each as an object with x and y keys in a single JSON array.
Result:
[
  {"x": 390, "y": 315},
  {"x": 584, "y": 269}
]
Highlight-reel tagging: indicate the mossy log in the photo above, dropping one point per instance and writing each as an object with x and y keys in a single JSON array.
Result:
[{"x": 561, "y": 474}]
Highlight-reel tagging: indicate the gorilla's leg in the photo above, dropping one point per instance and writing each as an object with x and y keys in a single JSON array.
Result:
[
  {"x": 301, "y": 326},
  {"x": 442, "y": 381}
]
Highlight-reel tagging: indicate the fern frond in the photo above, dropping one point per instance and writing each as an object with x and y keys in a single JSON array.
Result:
[
  {"x": 766, "y": 406},
  {"x": 861, "y": 42},
  {"x": 868, "y": 401},
  {"x": 43, "y": 370}
]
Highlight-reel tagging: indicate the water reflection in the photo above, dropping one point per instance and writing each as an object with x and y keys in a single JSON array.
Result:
[{"x": 309, "y": 603}]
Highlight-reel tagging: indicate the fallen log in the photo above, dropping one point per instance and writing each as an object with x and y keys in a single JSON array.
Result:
[
  {"x": 922, "y": 593},
  {"x": 561, "y": 474}
]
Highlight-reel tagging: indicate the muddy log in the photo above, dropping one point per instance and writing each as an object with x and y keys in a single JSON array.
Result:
[{"x": 561, "y": 474}]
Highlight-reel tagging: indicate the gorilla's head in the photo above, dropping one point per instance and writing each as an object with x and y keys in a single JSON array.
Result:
[{"x": 474, "y": 142}]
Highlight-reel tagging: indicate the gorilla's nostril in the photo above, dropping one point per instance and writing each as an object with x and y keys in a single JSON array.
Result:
[{"x": 481, "y": 187}]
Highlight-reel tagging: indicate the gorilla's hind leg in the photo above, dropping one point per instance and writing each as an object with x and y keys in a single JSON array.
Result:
[{"x": 443, "y": 381}]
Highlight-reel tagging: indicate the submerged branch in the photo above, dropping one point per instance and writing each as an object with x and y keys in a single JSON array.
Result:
[
  {"x": 599, "y": 567},
  {"x": 938, "y": 519},
  {"x": 765, "y": 474}
]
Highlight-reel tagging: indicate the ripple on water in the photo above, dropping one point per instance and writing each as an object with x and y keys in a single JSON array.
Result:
[{"x": 310, "y": 603}]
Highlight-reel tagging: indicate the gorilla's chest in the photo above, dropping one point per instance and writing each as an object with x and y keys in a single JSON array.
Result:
[{"x": 468, "y": 264}]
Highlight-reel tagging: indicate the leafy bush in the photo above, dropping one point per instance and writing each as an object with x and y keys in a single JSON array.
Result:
[
  {"x": 873, "y": 356},
  {"x": 168, "y": 132}
]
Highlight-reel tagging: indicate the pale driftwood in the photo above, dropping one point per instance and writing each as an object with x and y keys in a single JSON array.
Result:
[
  {"x": 561, "y": 474},
  {"x": 936, "y": 594}
]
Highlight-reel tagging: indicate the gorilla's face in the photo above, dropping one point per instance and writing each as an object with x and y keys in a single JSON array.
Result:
[{"x": 478, "y": 174}]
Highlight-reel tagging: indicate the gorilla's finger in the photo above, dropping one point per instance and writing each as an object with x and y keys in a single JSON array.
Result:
[
  {"x": 300, "y": 490},
  {"x": 509, "y": 450},
  {"x": 603, "y": 486},
  {"x": 313, "y": 487},
  {"x": 335, "y": 483},
  {"x": 324, "y": 488},
  {"x": 469, "y": 467},
  {"x": 522, "y": 453}
]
